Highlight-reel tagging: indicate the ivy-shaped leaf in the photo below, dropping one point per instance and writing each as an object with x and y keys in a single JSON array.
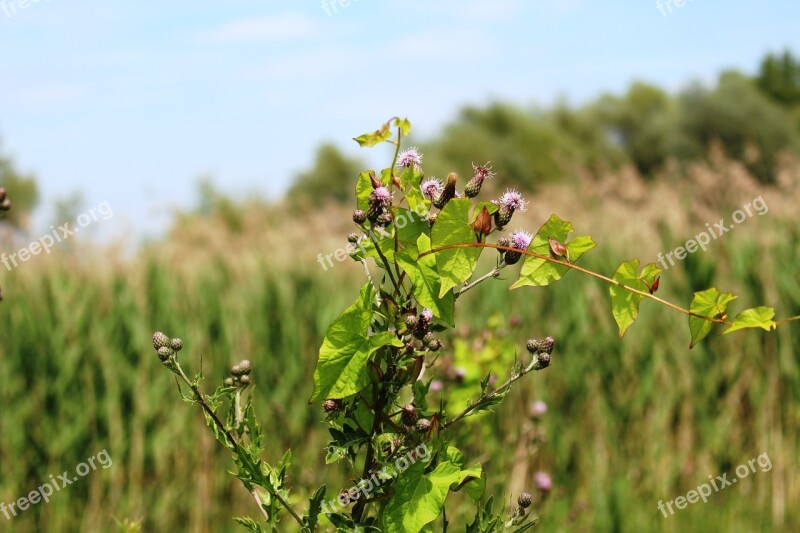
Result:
[
  {"x": 540, "y": 272},
  {"x": 419, "y": 498},
  {"x": 757, "y": 317},
  {"x": 376, "y": 137},
  {"x": 624, "y": 303},
  {"x": 710, "y": 303},
  {"x": 425, "y": 280},
  {"x": 342, "y": 366},
  {"x": 453, "y": 226}
]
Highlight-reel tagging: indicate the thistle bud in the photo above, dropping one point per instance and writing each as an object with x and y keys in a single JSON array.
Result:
[
  {"x": 542, "y": 361},
  {"x": 423, "y": 425},
  {"x": 236, "y": 370},
  {"x": 432, "y": 218},
  {"x": 5, "y": 205},
  {"x": 428, "y": 338},
  {"x": 331, "y": 406},
  {"x": 245, "y": 380},
  {"x": 352, "y": 238},
  {"x": 545, "y": 345},
  {"x": 448, "y": 193},
  {"x": 359, "y": 216},
  {"x": 409, "y": 415},
  {"x": 435, "y": 345},
  {"x": 482, "y": 172},
  {"x": 503, "y": 241},
  {"x": 164, "y": 353},
  {"x": 411, "y": 321},
  {"x": 245, "y": 366},
  {"x": 525, "y": 499},
  {"x": 160, "y": 340},
  {"x": 176, "y": 344},
  {"x": 228, "y": 382},
  {"x": 384, "y": 219},
  {"x": 510, "y": 202}
]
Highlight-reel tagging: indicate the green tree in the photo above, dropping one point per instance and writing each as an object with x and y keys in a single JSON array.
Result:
[{"x": 779, "y": 78}]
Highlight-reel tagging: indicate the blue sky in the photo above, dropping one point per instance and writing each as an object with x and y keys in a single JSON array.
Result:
[{"x": 130, "y": 102}]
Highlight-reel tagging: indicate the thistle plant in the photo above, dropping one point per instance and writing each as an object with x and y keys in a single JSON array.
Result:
[
  {"x": 5, "y": 205},
  {"x": 386, "y": 354}
]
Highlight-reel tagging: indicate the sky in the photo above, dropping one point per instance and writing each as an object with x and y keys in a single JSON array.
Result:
[{"x": 130, "y": 103}]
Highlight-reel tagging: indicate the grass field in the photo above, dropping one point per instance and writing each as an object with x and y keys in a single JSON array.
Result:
[{"x": 629, "y": 423}]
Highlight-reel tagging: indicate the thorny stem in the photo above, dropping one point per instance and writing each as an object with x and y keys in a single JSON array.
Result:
[
  {"x": 235, "y": 446},
  {"x": 584, "y": 271},
  {"x": 488, "y": 397},
  {"x": 385, "y": 262}
]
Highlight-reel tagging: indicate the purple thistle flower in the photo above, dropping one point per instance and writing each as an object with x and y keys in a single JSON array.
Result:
[
  {"x": 484, "y": 172},
  {"x": 431, "y": 188},
  {"x": 427, "y": 315},
  {"x": 538, "y": 409},
  {"x": 512, "y": 200},
  {"x": 543, "y": 482},
  {"x": 521, "y": 240},
  {"x": 436, "y": 386},
  {"x": 409, "y": 158},
  {"x": 381, "y": 197}
]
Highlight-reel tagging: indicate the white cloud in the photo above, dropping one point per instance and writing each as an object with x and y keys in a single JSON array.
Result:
[{"x": 278, "y": 28}]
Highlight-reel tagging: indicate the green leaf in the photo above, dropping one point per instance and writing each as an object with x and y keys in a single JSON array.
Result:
[
  {"x": 710, "y": 303},
  {"x": 453, "y": 226},
  {"x": 314, "y": 508},
  {"x": 757, "y": 317},
  {"x": 540, "y": 272},
  {"x": 425, "y": 280},
  {"x": 404, "y": 125},
  {"x": 419, "y": 498},
  {"x": 342, "y": 366},
  {"x": 249, "y": 524},
  {"x": 376, "y": 137},
  {"x": 364, "y": 189},
  {"x": 624, "y": 303}
]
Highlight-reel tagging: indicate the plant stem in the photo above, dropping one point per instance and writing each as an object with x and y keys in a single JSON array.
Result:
[
  {"x": 579, "y": 269},
  {"x": 385, "y": 261},
  {"x": 494, "y": 272},
  {"x": 236, "y": 446}
]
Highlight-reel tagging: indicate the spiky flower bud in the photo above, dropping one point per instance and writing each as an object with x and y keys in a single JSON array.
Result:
[
  {"x": 542, "y": 361},
  {"x": 420, "y": 329},
  {"x": 432, "y": 218},
  {"x": 331, "y": 406},
  {"x": 525, "y": 500},
  {"x": 520, "y": 240},
  {"x": 431, "y": 188},
  {"x": 411, "y": 321},
  {"x": 448, "y": 193},
  {"x": 510, "y": 202},
  {"x": 228, "y": 382},
  {"x": 423, "y": 425},
  {"x": 160, "y": 340},
  {"x": 384, "y": 219},
  {"x": 409, "y": 158},
  {"x": 359, "y": 216},
  {"x": 164, "y": 353},
  {"x": 545, "y": 345},
  {"x": 409, "y": 415},
  {"x": 236, "y": 370},
  {"x": 176, "y": 344},
  {"x": 352, "y": 238},
  {"x": 245, "y": 380},
  {"x": 245, "y": 366},
  {"x": 428, "y": 338},
  {"x": 482, "y": 172},
  {"x": 435, "y": 345}
]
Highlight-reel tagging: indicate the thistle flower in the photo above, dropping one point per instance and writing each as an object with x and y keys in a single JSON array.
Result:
[
  {"x": 160, "y": 340},
  {"x": 331, "y": 406},
  {"x": 410, "y": 157},
  {"x": 538, "y": 409},
  {"x": 431, "y": 188},
  {"x": 423, "y": 425},
  {"x": 381, "y": 196},
  {"x": 409, "y": 415},
  {"x": 510, "y": 201},
  {"x": 525, "y": 499},
  {"x": 176, "y": 344},
  {"x": 519, "y": 240},
  {"x": 427, "y": 315},
  {"x": 543, "y": 482},
  {"x": 480, "y": 173},
  {"x": 359, "y": 216},
  {"x": 423, "y": 322},
  {"x": 436, "y": 386}
]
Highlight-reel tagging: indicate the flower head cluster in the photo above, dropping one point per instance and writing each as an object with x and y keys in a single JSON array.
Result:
[
  {"x": 409, "y": 158},
  {"x": 431, "y": 188},
  {"x": 381, "y": 196}
]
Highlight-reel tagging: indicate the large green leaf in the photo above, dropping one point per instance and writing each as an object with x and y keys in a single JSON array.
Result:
[
  {"x": 425, "y": 280},
  {"x": 540, "y": 272},
  {"x": 710, "y": 303},
  {"x": 342, "y": 366},
  {"x": 757, "y": 317},
  {"x": 453, "y": 227},
  {"x": 419, "y": 498},
  {"x": 624, "y": 303}
]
